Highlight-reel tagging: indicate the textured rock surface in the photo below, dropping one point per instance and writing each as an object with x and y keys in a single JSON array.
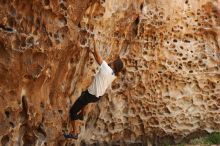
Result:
[{"x": 170, "y": 87}]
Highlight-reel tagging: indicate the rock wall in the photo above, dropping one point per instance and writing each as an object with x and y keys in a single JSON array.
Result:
[{"x": 169, "y": 89}]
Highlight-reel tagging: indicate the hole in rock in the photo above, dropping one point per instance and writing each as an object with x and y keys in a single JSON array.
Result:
[
  {"x": 213, "y": 97},
  {"x": 79, "y": 25},
  {"x": 41, "y": 130},
  {"x": 63, "y": 6},
  {"x": 5, "y": 28},
  {"x": 175, "y": 40},
  {"x": 63, "y": 21},
  {"x": 186, "y": 41},
  {"x": 60, "y": 111},
  {"x": 184, "y": 58},
  {"x": 56, "y": 36},
  {"x": 102, "y": 1},
  {"x": 47, "y": 2},
  {"x": 83, "y": 41},
  {"x": 7, "y": 113},
  {"x": 11, "y": 22},
  {"x": 50, "y": 34},
  {"x": 137, "y": 20},
  {"x": 43, "y": 29},
  {"x": 5, "y": 140},
  {"x": 30, "y": 40},
  {"x": 24, "y": 112},
  {"x": 12, "y": 124},
  {"x": 29, "y": 138},
  {"x": 115, "y": 86},
  {"x": 42, "y": 106},
  {"x": 166, "y": 97},
  {"x": 26, "y": 77},
  {"x": 141, "y": 6},
  {"x": 213, "y": 107},
  {"x": 37, "y": 23}
]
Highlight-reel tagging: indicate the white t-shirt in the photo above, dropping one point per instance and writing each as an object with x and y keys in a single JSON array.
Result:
[{"x": 102, "y": 80}]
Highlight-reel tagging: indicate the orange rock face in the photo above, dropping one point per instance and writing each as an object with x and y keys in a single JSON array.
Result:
[{"x": 169, "y": 89}]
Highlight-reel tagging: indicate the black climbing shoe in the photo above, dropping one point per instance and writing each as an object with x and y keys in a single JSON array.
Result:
[{"x": 74, "y": 136}]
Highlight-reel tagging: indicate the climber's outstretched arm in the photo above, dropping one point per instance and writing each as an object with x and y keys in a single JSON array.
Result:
[{"x": 96, "y": 54}]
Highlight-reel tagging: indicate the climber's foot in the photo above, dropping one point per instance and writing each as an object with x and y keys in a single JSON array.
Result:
[{"x": 73, "y": 136}]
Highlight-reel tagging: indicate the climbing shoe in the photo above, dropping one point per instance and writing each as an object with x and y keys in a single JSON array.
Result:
[{"x": 73, "y": 136}]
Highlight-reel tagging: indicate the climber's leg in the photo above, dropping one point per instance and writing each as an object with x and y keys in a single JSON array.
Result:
[
  {"x": 76, "y": 112},
  {"x": 77, "y": 106},
  {"x": 74, "y": 115},
  {"x": 76, "y": 123}
]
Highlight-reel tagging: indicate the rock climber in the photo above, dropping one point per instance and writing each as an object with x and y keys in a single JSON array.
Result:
[{"x": 102, "y": 80}]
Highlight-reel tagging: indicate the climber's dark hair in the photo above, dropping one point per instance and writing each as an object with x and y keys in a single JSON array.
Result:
[{"x": 118, "y": 65}]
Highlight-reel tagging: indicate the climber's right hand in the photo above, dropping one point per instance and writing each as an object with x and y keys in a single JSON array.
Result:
[{"x": 96, "y": 53}]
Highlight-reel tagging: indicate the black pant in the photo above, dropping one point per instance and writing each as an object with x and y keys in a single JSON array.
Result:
[{"x": 84, "y": 99}]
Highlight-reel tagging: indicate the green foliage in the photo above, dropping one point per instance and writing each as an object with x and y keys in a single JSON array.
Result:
[
  {"x": 213, "y": 138},
  {"x": 166, "y": 143},
  {"x": 210, "y": 139}
]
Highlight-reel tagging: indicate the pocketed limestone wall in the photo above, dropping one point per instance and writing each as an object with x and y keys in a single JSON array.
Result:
[{"x": 168, "y": 90}]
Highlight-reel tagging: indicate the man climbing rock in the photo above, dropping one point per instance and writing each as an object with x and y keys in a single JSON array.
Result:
[{"x": 105, "y": 76}]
